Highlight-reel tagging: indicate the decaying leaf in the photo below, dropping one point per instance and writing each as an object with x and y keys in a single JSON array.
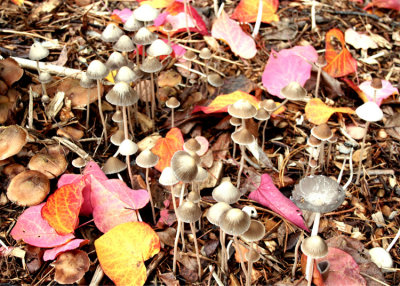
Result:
[
  {"x": 318, "y": 112},
  {"x": 246, "y": 11}
]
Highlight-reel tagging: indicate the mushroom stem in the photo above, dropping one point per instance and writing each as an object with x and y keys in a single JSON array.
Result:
[
  {"x": 241, "y": 165},
  {"x": 224, "y": 258},
  {"x": 263, "y": 134},
  {"x": 249, "y": 267},
  {"x": 103, "y": 122},
  {"x": 328, "y": 158},
  {"x": 239, "y": 250},
  {"x": 318, "y": 82},
  {"x": 309, "y": 270},
  {"x": 196, "y": 246},
  {"x": 314, "y": 232},
  {"x": 174, "y": 204},
  {"x": 322, "y": 153},
  {"x": 393, "y": 241},
  {"x": 362, "y": 153},
  {"x": 182, "y": 192},
  {"x": 178, "y": 230},
  {"x": 87, "y": 109},
  {"x": 279, "y": 106},
  {"x": 126, "y": 134},
  {"x": 151, "y": 199},
  {"x": 316, "y": 224},
  {"x": 172, "y": 118},
  {"x": 153, "y": 98},
  {"x": 234, "y": 146}
]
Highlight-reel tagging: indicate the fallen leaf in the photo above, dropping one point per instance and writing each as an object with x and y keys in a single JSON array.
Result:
[
  {"x": 268, "y": 195},
  {"x": 158, "y": 4},
  {"x": 62, "y": 207},
  {"x": 78, "y": 94},
  {"x": 10, "y": 71},
  {"x": 123, "y": 250},
  {"x": 318, "y": 112},
  {"x": 115, "y": 203},
  {"x": 166, "y": 147},
  {"x": 247, "y": 10},
  {"x": 289, "y": 65},
  {"x": 34, "y": 230},
  {"x": 386, "y": 4},
  {"x": 378, "y": 95},
  {"x": 123, "y": 15},
  {"x": 358, "y": 40},
  {"x": 357, "y": 89},
  {"x": 51, "y": 254},
  {"x": 339, "y": 60},
  {"x": 230, "y": 32},
  {"x": 18, "y": 2}
]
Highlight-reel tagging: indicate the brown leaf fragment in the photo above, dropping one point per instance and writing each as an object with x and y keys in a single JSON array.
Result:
[{"x": 10, "y": 71}]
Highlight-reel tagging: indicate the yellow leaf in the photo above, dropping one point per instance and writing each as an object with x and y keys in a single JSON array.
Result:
[{"x": 318, "y": 112}]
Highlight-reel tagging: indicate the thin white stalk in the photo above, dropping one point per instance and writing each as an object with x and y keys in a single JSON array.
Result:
[
  {"x": 258, "y": 20},
  {"x": 178, "y": 231},
  {"x": 309, "y": 266},
  {"x": 313, "y": 21},
  {"x": 393, "y": 241},
  {"x": 196, "y": 246},
  {"x": 237, "y": 244},
  {"x": 30, "y": 109},
  {"x": 151, "y": 197},
  {"x": 103, "y": 122},
  {"x": 362, "y": 153}
]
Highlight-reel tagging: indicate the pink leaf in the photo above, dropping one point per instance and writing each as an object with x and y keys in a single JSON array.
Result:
[
  {"x": 287, "y": 66},
  {"x": 51, "y": 254},
  {"x": 228, "y": 30},
  {"x": 381, "y": 94},
  {"x": 92, "y": 168},
  {"x": 343, "y": 270},
  {"x": 386, "y": 4},
  {"x": 115, "y": 203},
  {"x": 268, "y": 195},
  {"x": 123, "y": 14},
  {"x": 36, "y": 231}
]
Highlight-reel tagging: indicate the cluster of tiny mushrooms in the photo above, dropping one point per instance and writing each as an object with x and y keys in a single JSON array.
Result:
[{"x": 316, "y": 193}]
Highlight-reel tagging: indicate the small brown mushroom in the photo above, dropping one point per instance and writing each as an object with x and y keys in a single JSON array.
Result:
[
  {"x": 52, "y": 165},
  {"x": 71, "y": 266},
  {"x": 12, "y": 139}
]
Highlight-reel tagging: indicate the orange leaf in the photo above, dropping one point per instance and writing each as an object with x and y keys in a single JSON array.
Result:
[
  {"x": 316, "y": 276},
  {"x": 166, "y": 147},
  {"x": 18, "y": 2},
  {"x": 247, "y": 11},
  {"x": 338, "y": 58},
  {"x": 318, "y": 112},
  {"x": 62, "y": 208},
  {"x": 355, "y": 87},
  {"x": 158, "y": 4},
  {"x": 123, "y": 250}
]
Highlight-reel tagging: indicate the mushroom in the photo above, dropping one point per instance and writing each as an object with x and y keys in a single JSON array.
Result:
[
  {"x": 115, "y": 61},
  {"x": 36, "y": 53},
  {"x": 71, "y": 266},
  {"x": 314, "y": 143},
  {"x": 242, "y": 137},
  {"x": 235, "y": 122},
  {"x": 226, "y": 192},
  {"x": 185, "y": 168},
  {"x": 145, "y": 13},
  {"x": 124, "y": 45},
  {"x": 79, "y": 162},
  {"x": 87, "y": 83},
  {"x": 323, "y": 133},
  {"x": 111, "y": 33},
  {"x": 172, "y": 103},
  {"x": 262, "y": 115},
  {"x": 132, "y": 24},
  {"x": 12, "y": 139},
  {"x": 159, "y": 48},
  {"x": 52, "y": 165},
  {"x": 45, "y": 78},
  {"x": 205, "y": 54},
  {"x": 313, "y": 247},
  {"x": 215, "y": 80},
  {"x": 113, "y": 165},
  {"x": 320, "y": 63},
  {"x": 294, "y": 92},
  {"x": 369, "y": 112},
  {"x": 151, "y": 65},
  {"x": 381, "y": 257}
]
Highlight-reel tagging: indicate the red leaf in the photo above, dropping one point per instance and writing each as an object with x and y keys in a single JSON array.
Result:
[
  {"x": 247, "y": 10},
  {"x": 166, "y": 147},
  {"x": 386, "y": 4},
  {"x": 34, "y": 230},
  {"x": 268, "y": 195},
  {"x": 339, "y": 60},
  {"x": 51, "y": 254}
]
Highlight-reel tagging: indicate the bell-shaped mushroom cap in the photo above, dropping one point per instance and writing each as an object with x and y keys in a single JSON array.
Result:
[
  {"x": 215, "y": 212},
  {"x": 235, "y": 222},
  {"x": 314, "y": 247},
  {"x": 268, "y": 104},
  {"x": 226, "y": 192},
  {"x": 71, "y": 266},
  {"x": 28, "y": 188},
  {"x": 79, "y": 162},
  {"x": 191, "y": 145},
  {"x": 313, "y": 141},
  {"x": 146, "y": 13},
  {"x": 122, "y": 95},
  {"x": 188, "y": 212},
  {"x": 115, "y": 61},
  {"x": 376, "y": 83},
  {"x": 189, "y": 55},
  {"x": 262, "y": 115},
  {"x": 294, "y": 91},
  {"x": 234, "y": 121},
  {"x": 215, "y": 80},
  {"x": 132, "y": 24},
  {"x": 147, "y": 159},
  {"x": 318, "y": 194},
  {"x": 321, "y": 61},
  {"x": 381, "y": 257},
  {"x": 52, "y": 165},
  {"x": 117, "y": 138},
  {"x": 126, "y": 74},
  {"x": 45, "y": 77},
  {"x": 96, "y": 70},
  {"x": 255, "y": 232},
  {"x": 252, "y": 255},
  {"x": 184, "y": 166},
  {"x": 322, "y": 132},
  {"x": 124, "y": 44},
  {"x": 159, "y": 48},
  {"x": 242, "y": 136},
  {"x": 117, "y": 116},
  {"x": 128, "y": 147},
  {"x": 86, "y": 82},
  {"x": 242, "y": 109},
  {"x": 113, "y": 165},
  {"x": 12, "y": 139},
  {"x": 369, "y": 111},
  {"x": 37, "y": 52},
  {"x": 167, "y": 177},
  {"x": 205, "y": 54},
  {"x": 111, "y": 33},
  {"x": 201, "y": 176},
  {"x": 172, "y": 102},
  {"x": 193, "y": 197},
  {"x": 144, "y": 37},
  {"x": 151, "y": 65}
]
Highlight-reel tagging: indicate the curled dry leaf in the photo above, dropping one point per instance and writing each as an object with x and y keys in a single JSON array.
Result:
[
  {"x": 71, "y": 266},
  {"x": 358, "y": 40},
  {"x": 247, "y": 10},
  {"x": 166, "y": 147},
  {"x": 318, "y": 112}
]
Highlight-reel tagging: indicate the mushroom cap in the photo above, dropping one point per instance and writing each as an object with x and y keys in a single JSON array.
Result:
[
  {"x": 226, "y": 192},
  {"x": 313, "y": 141},
  {"x": 201, "y": 176},
  {"x": 193, "y": 197},
  {"x": 188, "y": 212},
  {"x": 79, "y": 162},
  {"x": 235, "y": 222},
  {"x": 215, "y": 80},
  {"x": 268, "y": 104},
  {"x": 28, "y": 188},
  {"x": 205, "y": 54},
  {"x": 262, "y": 115},
  {"x": 321, "y": 61},
  {"x": 369, "y": 111},
  {"x": 45, "y": 77},
  {"x": 144, "y": 37},
  {"x": 96, "y": 70},
  {"x": 189, "y": 55},
  {"x": 215, "y": 212},
  {"x": 132, "y": 24},
  {"x": 376, "y": 83},
  {"x": 126, "y": 74},
  {"x": 111, "y": 33},
  {"x": 71, "y": 266},
  {"x": 255, "y": 232},
  {"x": 113, "y": 165},
  {"x": 242, "y": 136},
  {"x": 314, "y": 247},
  {"x": 294, "y": 91},
  {"x": 52, "y": 165},
  {"x": 124, "y": 44},
  {"x": 37, "y": 52},
  {"x": 117, "y": 116},
  {"x": 252, "y": 255},
  {"x": 147, "y": 159},
  {"x": 118, "y": 137},
  {"x": 159, "y": 48},
  {"x": 12, "y": 139},
  {"x": 234, "y": 121},
  {"x": 381, "y": 257},
  {"x": 128, "y": 147},
  {"x": 184, "y": 166},
  {"x": 167, "y": 177},
  {"x": 122, "y": 95},
  {"x": 242, "y": 109},
  {"x": 192, "y": 145},
  {"x": 151, "y": 65},
  {"x": 319, "y": 194},
  {"x": 86, "y": 82},
  {"x": 145, "y": 13},
  {"x": 115, "y": 61},
  {"x": 172, "y": 102},
  {"x": 322, "y": 132}
]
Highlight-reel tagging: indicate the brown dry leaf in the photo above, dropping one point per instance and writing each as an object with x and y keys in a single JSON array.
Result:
[
  {"x": 356, "y": 155},
  {"x": 71, "y": 266},
  {"x": 169, "y": 78},
  {"x": 70, "y": 133},
  {"x": 3, "y": 87},
  {"x": 4, "y": 108},
  {"x": 169, "y": 279},
  {"x": 33, "y": 257},
  {"x": 62, "y": 58},
  {"x": 10, "y": 71},
  {"x": 76, "y": 93},
  {"x": 167, "y": 236},
  {"x": 46, "y": 7}
]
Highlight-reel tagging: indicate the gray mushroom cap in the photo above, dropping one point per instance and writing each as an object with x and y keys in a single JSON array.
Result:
[{"x": 319, "y": 194}]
